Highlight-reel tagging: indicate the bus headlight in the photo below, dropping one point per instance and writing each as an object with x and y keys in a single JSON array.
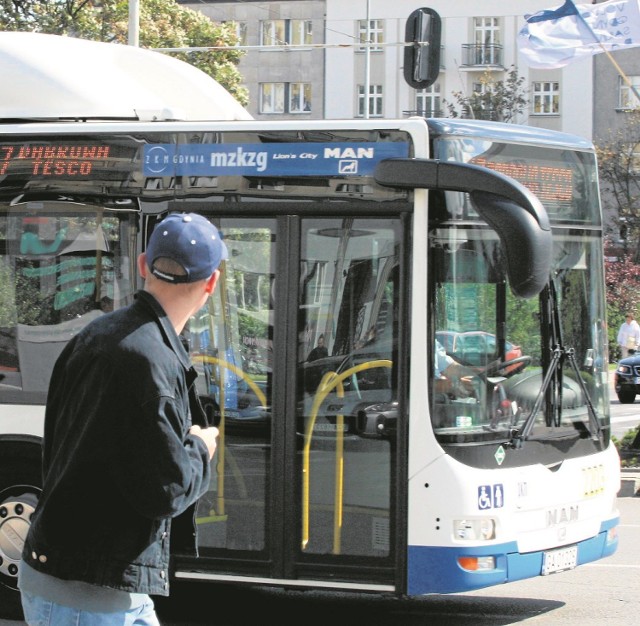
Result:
[{"x": 474, "y": 529}]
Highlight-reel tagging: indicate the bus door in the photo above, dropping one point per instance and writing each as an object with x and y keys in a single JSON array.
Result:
[{"x": 299, "y": 359}]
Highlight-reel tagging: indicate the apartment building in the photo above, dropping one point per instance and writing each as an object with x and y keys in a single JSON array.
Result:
[
  {"x": 308, "y": 59},
  {"x": 283, "y": 67}
]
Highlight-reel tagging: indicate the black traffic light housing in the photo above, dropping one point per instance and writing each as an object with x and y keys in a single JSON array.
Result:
[{"x": 422, "y": 57}]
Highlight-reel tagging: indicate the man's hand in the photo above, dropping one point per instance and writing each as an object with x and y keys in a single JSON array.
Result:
[
  {"x": 208, "y": 435},
  {"x": 462, "y": 380}
]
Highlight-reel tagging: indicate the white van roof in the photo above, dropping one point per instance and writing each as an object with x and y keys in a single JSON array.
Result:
[{"x": 51, "y": 77}]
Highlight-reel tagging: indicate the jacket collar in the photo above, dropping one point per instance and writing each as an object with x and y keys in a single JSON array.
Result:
[{"x": 171, "y": 338}]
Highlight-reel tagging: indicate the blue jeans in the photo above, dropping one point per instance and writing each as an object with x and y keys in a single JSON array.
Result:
[{"x": 41, "y": 612}]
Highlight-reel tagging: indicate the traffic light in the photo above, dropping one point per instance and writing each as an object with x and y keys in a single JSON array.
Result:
[{"x": 422, "y": 58}]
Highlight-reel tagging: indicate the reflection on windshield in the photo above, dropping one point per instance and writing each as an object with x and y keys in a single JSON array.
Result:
[
  {"x": 63, "y": 265},
  {"x": 514, "y": 347}
]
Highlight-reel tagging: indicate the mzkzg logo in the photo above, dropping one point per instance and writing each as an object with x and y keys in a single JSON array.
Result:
[{"x": 282, "y": 159}]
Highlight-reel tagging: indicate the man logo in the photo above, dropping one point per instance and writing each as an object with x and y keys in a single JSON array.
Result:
[{"x": 348, "y": 167}]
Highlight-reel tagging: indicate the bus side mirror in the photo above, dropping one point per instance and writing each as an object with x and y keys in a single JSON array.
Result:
[
  {"x": 422, "y": 57},
  {"x": 516, "y": 214}
]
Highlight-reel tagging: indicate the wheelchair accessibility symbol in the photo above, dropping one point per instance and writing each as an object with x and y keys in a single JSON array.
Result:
[{"x": 490, "y": 497}]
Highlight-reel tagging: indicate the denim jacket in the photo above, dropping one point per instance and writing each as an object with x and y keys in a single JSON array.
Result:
[{"x": 118, "y": 460}]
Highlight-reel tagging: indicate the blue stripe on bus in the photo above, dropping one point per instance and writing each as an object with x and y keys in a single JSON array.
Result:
[
  {"x": 277, "y": 159},
  {"x": 436, "y": 569}
]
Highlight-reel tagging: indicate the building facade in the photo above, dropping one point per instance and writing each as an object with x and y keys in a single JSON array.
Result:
[
  {"x": 283, "y": 67},
  {"x": 310, "y": 59}
]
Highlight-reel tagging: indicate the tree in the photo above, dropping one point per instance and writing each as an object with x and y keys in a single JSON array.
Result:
[
  {"x": 619, "y": 172},
  {"x": 497, "y": 100},
  {"x": 622, "y": 278},
  {"x": 163, "y": 24}
]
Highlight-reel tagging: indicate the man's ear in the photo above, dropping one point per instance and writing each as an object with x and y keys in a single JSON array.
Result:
[
  {"x": 212, "y": 281},
  {"x": 142, "y": 265}
]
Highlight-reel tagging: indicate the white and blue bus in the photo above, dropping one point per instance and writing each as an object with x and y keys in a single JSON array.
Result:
[{"x": 385, "y": 240}]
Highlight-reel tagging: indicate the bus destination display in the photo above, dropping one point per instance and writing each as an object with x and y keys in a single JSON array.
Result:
[
  {"x": 52, "y": 160},
  {"x": 553, "y": 185}
]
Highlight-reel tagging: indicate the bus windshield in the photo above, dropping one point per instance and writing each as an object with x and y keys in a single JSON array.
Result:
[{"x": 511, "y": 343}]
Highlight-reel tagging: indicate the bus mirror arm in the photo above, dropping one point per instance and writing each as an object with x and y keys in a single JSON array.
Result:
[{"x": 509, "y": 208}]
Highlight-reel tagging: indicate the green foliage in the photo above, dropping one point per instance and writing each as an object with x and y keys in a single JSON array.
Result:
[
  {"x": 619, "y": 172},
  {"x": 498, "y": 100},
  {"x": 523, "y": 324},
  {"x": 8, "y": 313},
  {"x": 249, "y": 326},
  {"x": 622, "y": 278},
  {"x": 629, "y": 457},
  {"x": 163, "y": 24}
]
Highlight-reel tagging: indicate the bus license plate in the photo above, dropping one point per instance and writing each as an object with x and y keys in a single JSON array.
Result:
[{"x": 559, "y": 560}]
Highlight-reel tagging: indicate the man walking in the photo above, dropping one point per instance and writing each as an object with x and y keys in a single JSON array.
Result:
[{"x": 126, "y": 446}]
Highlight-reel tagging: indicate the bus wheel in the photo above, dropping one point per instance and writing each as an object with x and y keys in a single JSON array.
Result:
[{"x": 17, "y": 503}]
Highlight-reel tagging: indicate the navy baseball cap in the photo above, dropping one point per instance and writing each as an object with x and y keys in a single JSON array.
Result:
[{"x": 192, "y": 241}]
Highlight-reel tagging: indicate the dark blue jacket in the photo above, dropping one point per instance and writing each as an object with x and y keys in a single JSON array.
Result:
[{"x": 118, "y": 462}]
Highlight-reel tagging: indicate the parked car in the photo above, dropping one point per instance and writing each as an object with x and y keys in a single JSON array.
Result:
[
  {"x": 627, "y": 378},
  {"x": 477, "y": 348}
]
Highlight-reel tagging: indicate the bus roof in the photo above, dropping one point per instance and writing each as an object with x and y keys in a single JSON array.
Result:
[
  {"x": 507, "y": 133},
  {"x": 51, "y": 77}
]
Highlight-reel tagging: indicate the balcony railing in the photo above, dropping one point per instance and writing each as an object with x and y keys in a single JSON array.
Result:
[
  {"x": 425, "y": 113},
  {"x": 482, "y": 55}
]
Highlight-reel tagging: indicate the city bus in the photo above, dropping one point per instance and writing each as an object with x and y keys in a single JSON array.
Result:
[{"x": 351, "y": 468}]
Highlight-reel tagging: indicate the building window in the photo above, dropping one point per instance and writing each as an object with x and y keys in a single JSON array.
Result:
[
  {"x": 487, "y": 49},
  {"x": 545, "y": 96},
  {"x": 375, "y": 101},
  {"x": 626, "y": 98},
  {"x": 300, "y": 32},
  {"x": 630, "y": 158},
  {"x": 299, "y": 97},
  {"x": 280, "y": 98},
  {"x": 241, "y": 33},
  {"x": 484, "y": 96},
  {"x": 240, "y": 30},
  {"x": 285, "y": 32},
  {"x": 376, "y": 34},
  {"x": 272, "y": 98},
  {"x": 428, "y": 102}
]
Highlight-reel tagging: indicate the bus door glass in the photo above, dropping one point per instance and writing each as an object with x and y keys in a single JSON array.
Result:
[
  {"x": 231, "y": 344},
  {"x": 347, "y": 393},
  {"x": 331, "y": 458}
]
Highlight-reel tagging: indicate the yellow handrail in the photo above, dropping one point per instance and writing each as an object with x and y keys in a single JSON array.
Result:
[
  {"x": 221, "y": 427},
  {"x": 330, "y": 381}
]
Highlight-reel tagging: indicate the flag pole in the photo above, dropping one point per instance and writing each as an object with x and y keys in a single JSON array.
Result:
[{"x": 624, "y": 77}]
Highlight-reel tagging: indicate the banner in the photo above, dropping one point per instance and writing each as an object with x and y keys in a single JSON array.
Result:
[{"x": 556, "y": 37}]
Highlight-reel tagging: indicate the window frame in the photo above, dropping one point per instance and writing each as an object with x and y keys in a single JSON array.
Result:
[
  {"x": 285, "y": 32},
  {"x": 627, "y": 100},
  {"x": 280, "y": 97},
  {"x": 545, "y": 97},
  {"x": 429, "y": 100},
  {"x": 376, "y": 101},
  {"x": 376, "y": 35}
]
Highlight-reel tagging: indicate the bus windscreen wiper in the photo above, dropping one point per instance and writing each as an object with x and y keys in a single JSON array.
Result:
[{"x": 560, "y": 353}]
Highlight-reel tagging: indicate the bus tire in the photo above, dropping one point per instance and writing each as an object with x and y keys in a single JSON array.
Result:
[{"x": 20, "y": 486}]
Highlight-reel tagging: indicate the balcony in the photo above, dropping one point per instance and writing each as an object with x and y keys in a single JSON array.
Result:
[
  {"x": 484, "y": 56},
  {"x": 425, "y": 113}
]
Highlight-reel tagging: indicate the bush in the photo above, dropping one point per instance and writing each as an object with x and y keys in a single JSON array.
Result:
[{"x": 628, "y": 448}]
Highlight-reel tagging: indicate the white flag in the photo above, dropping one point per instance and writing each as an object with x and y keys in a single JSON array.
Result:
[{"x": 556, "y": 37}]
